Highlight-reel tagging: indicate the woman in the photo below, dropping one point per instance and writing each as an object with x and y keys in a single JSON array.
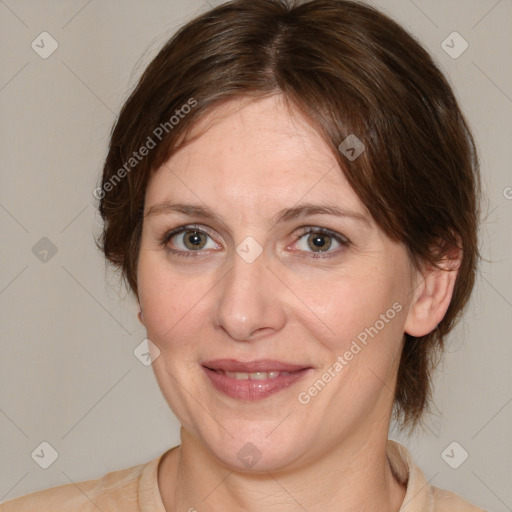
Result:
[{"x": 291, "y": 194}]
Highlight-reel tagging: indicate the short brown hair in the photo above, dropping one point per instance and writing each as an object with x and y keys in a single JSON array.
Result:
[{"x": 351, "y": 70}]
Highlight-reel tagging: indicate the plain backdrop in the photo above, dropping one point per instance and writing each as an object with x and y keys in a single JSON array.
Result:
[{"x": 68, "y": 374}]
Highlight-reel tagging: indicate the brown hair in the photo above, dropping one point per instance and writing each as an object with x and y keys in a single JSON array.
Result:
[{"x": 350, "y": 70}]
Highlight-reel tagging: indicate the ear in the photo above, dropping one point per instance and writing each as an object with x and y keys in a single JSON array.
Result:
[
  {"x": 432, "y": 295},
  {"x": 141, "y": 317}
]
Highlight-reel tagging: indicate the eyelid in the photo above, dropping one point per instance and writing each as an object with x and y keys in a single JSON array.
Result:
[
  {"x": 166, "y": 237},
  {"x": 326, "y": 231},
  {"x": 341, "y": 239},
  {"x": 184, "y": 228}
]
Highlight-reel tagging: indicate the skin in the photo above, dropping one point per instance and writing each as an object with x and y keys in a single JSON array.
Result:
[{"x": 252, "y": 160}]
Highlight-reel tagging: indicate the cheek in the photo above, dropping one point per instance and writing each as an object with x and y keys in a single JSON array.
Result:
[
  {"x": 356, "y": 304},
  {"x": 161, "y": 298},
  {"x": 172, "y": 304},
  {"x": 365, "y": 321}
]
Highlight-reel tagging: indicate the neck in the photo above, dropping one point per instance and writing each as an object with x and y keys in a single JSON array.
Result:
[{"x": 356, "y": 476}]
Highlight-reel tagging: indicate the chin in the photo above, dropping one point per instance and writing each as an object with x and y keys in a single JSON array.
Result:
[{"x": 249, "y": 446}]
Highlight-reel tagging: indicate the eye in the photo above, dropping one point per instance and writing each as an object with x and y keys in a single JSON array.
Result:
[
  {"x": 320, "y": 240},
  {"x": 187, "y": 239}
]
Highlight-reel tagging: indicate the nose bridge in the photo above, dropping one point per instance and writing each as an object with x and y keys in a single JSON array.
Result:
[{"x": 248, "y": 299}]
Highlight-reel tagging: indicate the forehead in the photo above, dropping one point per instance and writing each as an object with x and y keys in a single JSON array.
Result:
[{"x": 261, "y": 151}]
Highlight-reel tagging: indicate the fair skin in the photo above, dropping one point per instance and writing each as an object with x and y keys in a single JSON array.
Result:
[{"x": 255, "y": 160}]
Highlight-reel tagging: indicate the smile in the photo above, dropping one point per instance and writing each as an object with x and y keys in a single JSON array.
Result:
[{"x": 236, "y": 380}]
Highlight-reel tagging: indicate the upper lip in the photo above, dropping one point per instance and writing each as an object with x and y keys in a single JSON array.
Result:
[{"x": 260, "y": 365}]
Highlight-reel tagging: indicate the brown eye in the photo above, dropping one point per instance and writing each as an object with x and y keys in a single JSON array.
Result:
[
  {"x": 186, "y": 241},
  {"x": 194, "y": 240},
  {"x": 319, "y": 242}
]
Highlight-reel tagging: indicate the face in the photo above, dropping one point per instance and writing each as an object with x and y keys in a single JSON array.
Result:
[{"x": 277, "y": 304}]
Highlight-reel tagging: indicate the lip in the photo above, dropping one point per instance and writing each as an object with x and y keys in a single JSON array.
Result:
[
  {"x": 252, "y": 389},
  {"x": 259, "y": 365}
]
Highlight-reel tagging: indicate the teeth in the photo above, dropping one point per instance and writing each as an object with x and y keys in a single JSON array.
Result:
[{"x": 255, "y": 375}]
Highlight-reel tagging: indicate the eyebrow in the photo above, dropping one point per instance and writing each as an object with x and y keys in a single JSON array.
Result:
[{"x": 285, "y": 215}]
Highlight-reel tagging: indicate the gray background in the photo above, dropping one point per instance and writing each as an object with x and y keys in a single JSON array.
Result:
[{"x": 68, "y": 375}]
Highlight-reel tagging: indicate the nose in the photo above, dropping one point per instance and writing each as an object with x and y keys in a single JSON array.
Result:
[{"x": 250, "y": 301}]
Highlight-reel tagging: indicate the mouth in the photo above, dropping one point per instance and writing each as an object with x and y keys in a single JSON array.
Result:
[{"x": 253, "y": 380}]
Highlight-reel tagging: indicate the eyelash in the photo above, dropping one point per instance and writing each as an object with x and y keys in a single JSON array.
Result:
[
  {"x": 164, "y": 240},
  {"x": 182, "y": 229}
]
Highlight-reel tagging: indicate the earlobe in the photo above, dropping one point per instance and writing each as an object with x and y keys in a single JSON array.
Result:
[{"x": 432, "y": 296}]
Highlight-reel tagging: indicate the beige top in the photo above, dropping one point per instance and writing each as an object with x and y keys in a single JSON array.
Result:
[{"x": 136, "y": 490}]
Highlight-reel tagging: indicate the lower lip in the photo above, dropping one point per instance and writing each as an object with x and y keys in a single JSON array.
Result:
[{"x": 252, "y": 389}]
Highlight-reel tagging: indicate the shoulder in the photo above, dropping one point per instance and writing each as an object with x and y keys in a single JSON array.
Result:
[
  {"x": 446, "y": 501},
  {"x": 420, "y": 496},
  {"x": 118, "y": 490}
]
